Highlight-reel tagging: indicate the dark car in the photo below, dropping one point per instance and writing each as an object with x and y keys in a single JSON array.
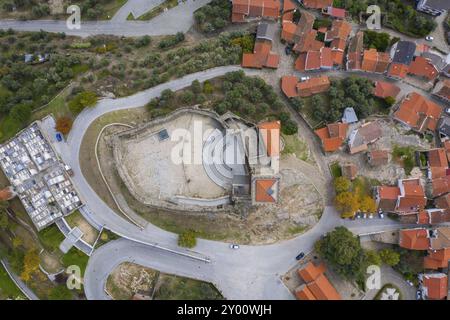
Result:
[
  {"x": 288, "y": 50},
  {"x": 59, "y": 137},
  {"x": 300, "y": 256}
]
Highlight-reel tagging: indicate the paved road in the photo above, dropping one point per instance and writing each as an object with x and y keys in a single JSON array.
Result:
[
  {"x": 19, "y": 283},
  {"x": 136, "y": 7},
  {"x": 178, "y": 19},
  {"x": 250, "y": 272}
]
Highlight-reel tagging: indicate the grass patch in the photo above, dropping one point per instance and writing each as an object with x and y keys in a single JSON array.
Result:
[
  {"x": 293, "y": 145},
  {"x": 364, "y": 185},
  {"x": 51, "y": 237},
  {"x": 405, "y": 156},
  {"x": 294, "y": 230},
  {"x": 156, "y": 11},
  {"x": 8, "y": 289},
  {"x": 336, "y": 171},
  {"x": 385, "y": 287},
  {"x": 111, "y": 8},
  {"x": 180, "y": 288},
  {"x": 75, "y": 257}
]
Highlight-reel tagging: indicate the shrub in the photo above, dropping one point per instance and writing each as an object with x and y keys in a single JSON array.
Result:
[
  {"x": 82, "y": 100},
  {"x": 63, "y": 125},
  {"x": 187, "y": 239}
]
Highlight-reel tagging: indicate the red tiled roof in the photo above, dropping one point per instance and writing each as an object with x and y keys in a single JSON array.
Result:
[
  {"x": 313, "y": 86},
  {"x": 255, "y": 8},
  {"x": 374, "y": 61},
  {"x": 385, "y": 89},
  {"x": 332, "y": 136},
  {"x": 355, "y": 50},
  {"x": 398, "y": 70},
  {"x": 317, "y": 4},
  {"x": 388, "y": 192},
  {"x": 263, "y": 190},
  {"x": 311, "y": 272},
  {"x": 437, "y": 259},
  {"x": 308, "y": 42},
  {"x": 412, "y": 196},
  {"x": 440, "y": 186},
  {"x": 443, "y": 202},
  {"x": 289, "y": 86},
  {"x": 270, "y": 132},
  {"x": 418, "y": 113},
  {"x": 318, "y": 287},
  {"x": 436, "y": 286},
  {"x": 261, "y": 56},
  {"x": 336, "y": 12},
  {"x": 423, "y": 68},
  {"x": 437, "y": 158},
  {"x": 444, "y": 91},
  {"x": 414, "y": 239},
  {"x": 339, "y": 29},
  {"x": 288, "y": 31},
  {"x": 6, "y": 194},
  {"x": 338, "y": 44}
]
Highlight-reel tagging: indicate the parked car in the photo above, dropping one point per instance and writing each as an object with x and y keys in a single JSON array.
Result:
[
  {"x": 381, "y": 215},
  {"x": 365, "y": 215},
  {"x": 429, "y": 38},
  {"x": 419, "y": 295},
  {"x": 234, "y": 246},
  {"x": 410, "y": 282},
  {"x": 288, "y": 50},
  {"x": 300, "y": 256},
  {"x": 305, "y": 78},
  {"x": 447, "y": 110},
  {"x": 59, "y": 137}
]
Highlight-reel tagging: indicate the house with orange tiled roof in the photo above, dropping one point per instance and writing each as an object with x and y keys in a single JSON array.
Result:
[
  {"x": 245, "y": 9},
  {"x": 374, "y": 61},
  {"x": 337, "y": 51},
  {"x": 443, "y": 202},
  {"x": 418, "y": 113},
  {"x": 289, "y": 86},
  {"x": 288, "y": 10},
  {"x": 316, "y": 285},
  {"x": 415, "y": 239},
  {"x": 433, "y": 216},
  {"x": 407, "y": 198},
  {"x": 360, "y": 138},
  {"x": 315, "y": 60},
  {"x": 313, "y": 86},
  {"x": 402, "y": 54},
  {"x": 317, "y": 4},
  {"x": 424, "y": 68},
  {"x": 441, "y": 184},
  {"x": 355, "y": 52},
  {"x": 442, "y": 90},
  {"x": 434, "y": 286},
  {"x": 385, "y": 89},
  {"x": 332, "y": 136},
  {"x": 292, "y": 32},
  {"x": 340, "y": 29},
  {"x": 378, "y": 157},
  {"x": 262, "y": 55},
  {"x": 333, "y": 12},
  {"x": 437, "y": 259}
]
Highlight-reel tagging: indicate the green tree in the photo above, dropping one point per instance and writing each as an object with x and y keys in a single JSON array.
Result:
[
  {"x": 342, "y": 250},
  {"x": 373, "y": 258},
  {"x": 60, "y": 292},
  {"x": 342, "y": 184},
  {"x": 390, "y": 257},
  {"x": 187, "y": 239},
  {"x": 347, "y": 203},
  {"x": 82, "y": 100}
]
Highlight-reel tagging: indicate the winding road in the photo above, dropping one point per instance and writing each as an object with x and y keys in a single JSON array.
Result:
[
  {"x": 177, "y": 19},
  {"x": 252, "y": 272}
]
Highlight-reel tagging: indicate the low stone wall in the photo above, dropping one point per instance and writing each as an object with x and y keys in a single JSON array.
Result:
[{"x": 143, "y": 130}]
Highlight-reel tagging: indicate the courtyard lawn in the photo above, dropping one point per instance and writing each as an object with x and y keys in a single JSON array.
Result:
[
  {"x": 51, "y": 237},
  {"x": 336, "y": 171},
  {"x": 384, "y": 288},
  {"x": 405, "y": 156},
  {"x": 180, "y": 288}
]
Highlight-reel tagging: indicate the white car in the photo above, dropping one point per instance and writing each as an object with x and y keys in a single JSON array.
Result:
[
  {"x": 447, "y": 110},
  {"x": 429, "y": 38},
  {"x": 234, "y": 246},
  {"x": 305, "y": 78}
]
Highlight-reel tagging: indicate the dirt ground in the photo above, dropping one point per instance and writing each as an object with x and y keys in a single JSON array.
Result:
[
  {"x": 392, "y": 134},
  {"x": 261, "y": 226},
  {"x": 128, "y": 279},
  {"x": 90, "y": 234}
]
